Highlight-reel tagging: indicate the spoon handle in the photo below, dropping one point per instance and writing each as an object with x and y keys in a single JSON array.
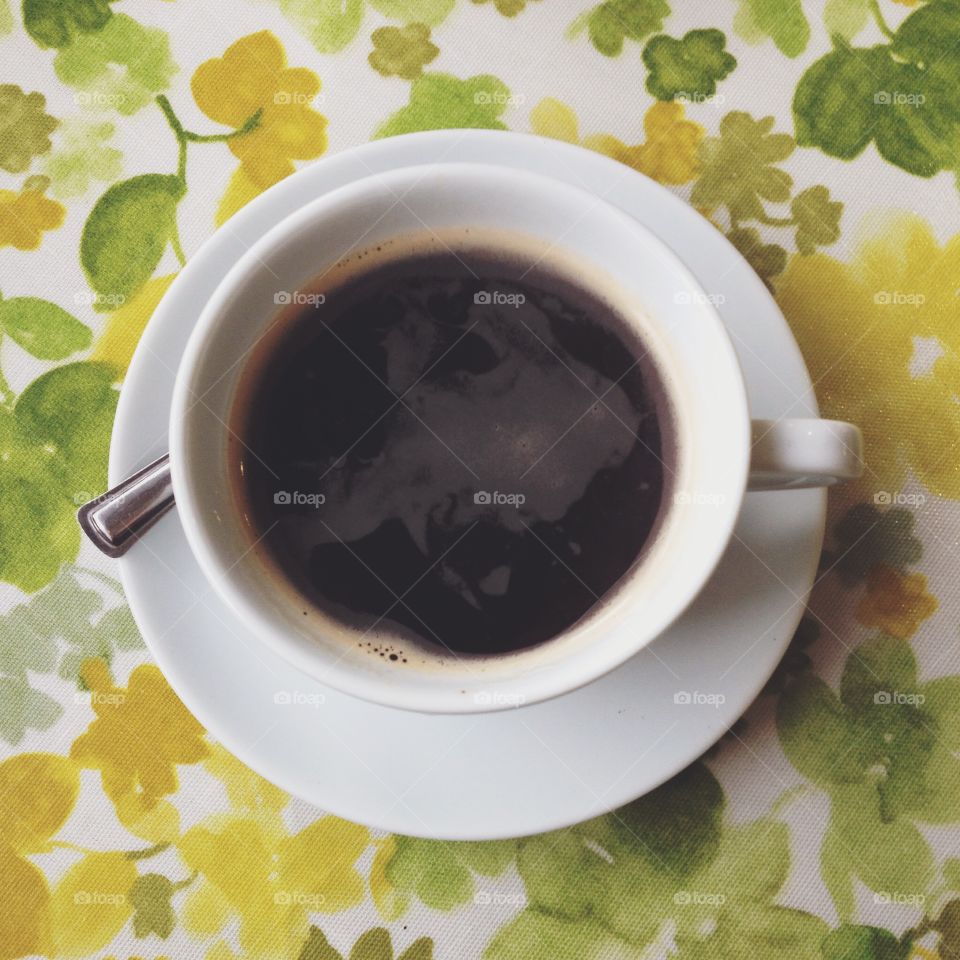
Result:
[{"x": 119, "y": 517}]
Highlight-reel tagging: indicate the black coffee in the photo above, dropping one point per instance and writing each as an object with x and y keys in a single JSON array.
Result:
[{"x": 451, "y": 451}]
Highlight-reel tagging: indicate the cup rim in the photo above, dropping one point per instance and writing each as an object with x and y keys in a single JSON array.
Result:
[{"x": 200, "y": 535}]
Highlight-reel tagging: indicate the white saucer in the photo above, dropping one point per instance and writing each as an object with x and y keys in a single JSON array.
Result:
[{"x": 521, "y": 771}]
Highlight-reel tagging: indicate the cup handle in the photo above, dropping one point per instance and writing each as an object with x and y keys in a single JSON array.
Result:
[{"x": 792, "y": 454}]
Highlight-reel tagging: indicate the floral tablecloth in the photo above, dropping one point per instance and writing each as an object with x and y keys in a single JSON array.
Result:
[{"x": 823, "y": 140}]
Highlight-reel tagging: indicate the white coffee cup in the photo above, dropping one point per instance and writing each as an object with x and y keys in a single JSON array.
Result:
[{"x": 718, "y": 450}]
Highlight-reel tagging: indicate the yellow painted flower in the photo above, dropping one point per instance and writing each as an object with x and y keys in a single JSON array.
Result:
[
  {"x": 390, "y": 902},
  {"x": 857, "y": 325},
  {"x": 138, "y": 738},
  {"x": 39, "y": 791},
  {"x": 253, "y": 868},
  {"x": 91, "y": 903},
  {"x": 246, "y": 790},
  {"x": 253, "y": 76},
  {"x": 127, "y": 323},
  {"x": 669, "y": 154},
  {"x": 897, "y": 603},
  {"x": 25, "y": 915},
  {"x": 25, "y": 216}
]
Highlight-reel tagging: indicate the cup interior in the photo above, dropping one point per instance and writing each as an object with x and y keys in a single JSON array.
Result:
[{"x": 584, "y": 237}]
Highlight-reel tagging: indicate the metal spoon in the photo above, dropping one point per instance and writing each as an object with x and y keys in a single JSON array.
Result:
[{"x": 115, "y": 520}]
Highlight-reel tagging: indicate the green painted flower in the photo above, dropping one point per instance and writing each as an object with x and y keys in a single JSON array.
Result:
[
  {"x": 402, "y": 51},
  {"x": 611, "y": 23},
  {"x": 82, "y": 156},
  {"x": 689, "y": 68},
  {"x": 884, "y": 750},
  {"x": 739, "y": 169},
  {"x": 767, "y": 259},
  {"x": 442, "y": 874},
  {"x": 439, "y": 101},
  {"x": 25, "y": 127},
  {"x": 817, "y": 218},
  {"x": 57, "y": 23},
  {"x": 866, "y": 537},
  {"x": 121, "y": 67},
  {"x": 331, "y": 26},
  {"x": 509, "y": 8},
  {"x": 609, "y": 887}
]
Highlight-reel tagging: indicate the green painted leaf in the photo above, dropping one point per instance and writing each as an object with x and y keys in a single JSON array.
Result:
[
  {"x": 430, "y": 12},
  {"x": 328, "y": 24},
  {"x": 55, "y": 23},
  {"x": 854, "y": 942},
  {"x": 52, "y": 447},
  {"x": 317, "y": 947},
  {"x": 815, "y": 732},
  {"x": 866, "y": 537},
  {"x": 373, "y": 945},
  {"x": 6, "y": 18},
  {"x": 440, "y": 873},
  {"x": 23, "y": 708},
  {"x": 754, "y": 931},
  {"x": 611, "y": 23},
  {"x": 127, "y": 231},
  {"x": 846, "y": 18},
  {"x": 150, "y": 898},
  {"x": 42, "y": 328},
  {"x": 421, "y": 949},
  {"x": 689, "y": 68},
  {"x": 817, "y": 218},
  {"x": 781, "y": 20},
  {"x": 834, "y": 106},
  {"x": 537, "y": 936},
  {"x": 439, "y": 101},
  {"x": 122, "y": 67}
]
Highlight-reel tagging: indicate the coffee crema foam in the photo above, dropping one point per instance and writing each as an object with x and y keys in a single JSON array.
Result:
[{"x": 452, "y": 447}]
